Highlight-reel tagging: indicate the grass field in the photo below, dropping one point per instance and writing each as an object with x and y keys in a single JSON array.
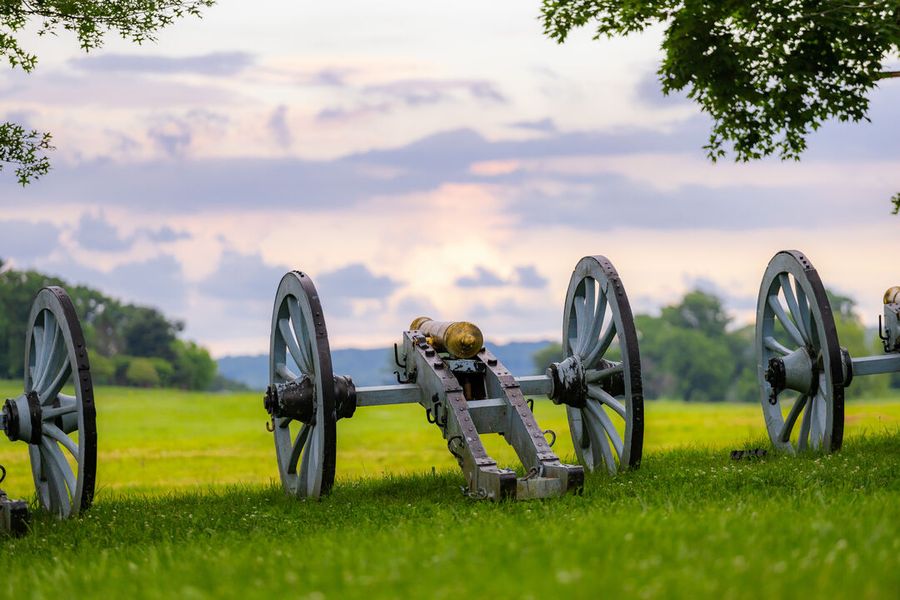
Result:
[{"x": 188, "y": 505}]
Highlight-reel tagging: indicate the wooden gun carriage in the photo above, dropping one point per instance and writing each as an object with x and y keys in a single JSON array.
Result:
[{"x": 466, "y": 391}]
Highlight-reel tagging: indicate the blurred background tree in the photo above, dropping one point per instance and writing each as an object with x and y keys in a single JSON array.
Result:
[
  {"x": 689, "y": 352},
  {"x": 129, "y": 344}
]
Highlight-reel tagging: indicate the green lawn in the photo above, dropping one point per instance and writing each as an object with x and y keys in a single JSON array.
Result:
[{"x": 188, "y": 506}]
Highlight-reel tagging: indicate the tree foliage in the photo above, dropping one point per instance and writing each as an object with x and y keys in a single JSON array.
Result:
[
  {"x": 767, "y": 72},
  {"x": 90, "y": 21}
]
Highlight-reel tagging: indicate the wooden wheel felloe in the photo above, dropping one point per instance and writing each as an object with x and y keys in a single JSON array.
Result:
[
  {"x": 59, "y": 427},
  {"x": 800, "y": 364},
  {"x": 301, "y": 395},
  {"x": 599, "y": 378}
]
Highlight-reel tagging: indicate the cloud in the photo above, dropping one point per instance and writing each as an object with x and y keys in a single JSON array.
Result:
[
  {"x": 26, "y": 240},
  {"x": 215, "y": 63},
  {"x": 417, "y": 92},
  {"x": 243, "y": 277},
  {"x": 648, "y": 91},
  {"x": 528, "y": 277},
  {"x": 541, "y": 125},
  {"x": 345, "y": 289},
  {"x": 525, "y": 276},
  {"x": 164, "y": 235},
  {"x": 94, "y": 232},
  {"x": 171, "y": 135},
  {"x": 331, "y": 77},
  {"x": 585, "y": 180},
  {"x": 385, "y": 98},
  {"x": 483, "y": 278},
  {"x": 279, "y": 127},
  {"x": 55, "y": 89},
  {"x": 174, "y": 134},
  {"x": 356, "y": 281},
  {"x": 340, "y": 114},
  {"x": 157, "y": 281}
]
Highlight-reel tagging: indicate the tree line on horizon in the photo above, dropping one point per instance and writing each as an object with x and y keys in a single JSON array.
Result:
[
  {"x": 691, "y": 352},
  {"x": 129, "y": 345}
]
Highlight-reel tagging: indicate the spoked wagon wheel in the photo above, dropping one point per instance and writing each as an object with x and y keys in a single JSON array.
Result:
[
  {"x": 300, "y": 366},
  {"x": 799, "y": 360},
  {"x": 601, "y": 371},
  {"x": 60, "y": 428}
]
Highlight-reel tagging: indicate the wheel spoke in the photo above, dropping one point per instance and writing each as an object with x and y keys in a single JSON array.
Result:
[
  {"x": 67, "y": 406},
  {"x": 796, "y": 316},
  {"x": 52, "y": 391},
  {"x": 312, "y": 467},
  {"x": 584, "y": 329},
  {"x": 58, "y": 463},
  {"x": 596, "y": 409},
  {"x": 285, "y": 373},
  {"x": 600, "y": 395},
  {"x": 595, "y": 375},
  {"x": 788, "y": 325},
  {"x": 599, "y": 441},
  {"x": 815, "y": 428},
  {"x": 580, "y": 335},
  {"x": 776, "y": 346},
  {"x": 299, "y": 442},
  {"x": 602, "y": 345},
  {"x": 37, "y": 335},
  {"x": 803, "y": 441},
  {"x": 302, "y": 333},
  {"x": 51, "y": 352},
  {"x": 53, "y": 487},
  {"x": 805, "y": 315},
  {"x": 57, "y": 434},
  {"x": 596, "y": 326},
  {"x": 291, "y": 343},
  {"x": 799, "y": 403}
]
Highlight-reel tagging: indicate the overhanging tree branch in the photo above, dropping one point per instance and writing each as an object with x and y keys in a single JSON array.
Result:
[{"x": 90, "y": 21}]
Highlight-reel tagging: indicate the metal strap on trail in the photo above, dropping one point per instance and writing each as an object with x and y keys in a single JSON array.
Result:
[{"x": 2, "y": 473}]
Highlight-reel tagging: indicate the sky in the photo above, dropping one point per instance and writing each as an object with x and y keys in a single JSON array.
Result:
[{"x": 415, "y": 159}]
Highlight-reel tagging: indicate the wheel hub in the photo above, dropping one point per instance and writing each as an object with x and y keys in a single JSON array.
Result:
[
  {"x": 568, "y": 383},
  {"x": 795, "y": 371},
  {"x": 22, "y": 418},
  {"x": 297, "y": 399}
]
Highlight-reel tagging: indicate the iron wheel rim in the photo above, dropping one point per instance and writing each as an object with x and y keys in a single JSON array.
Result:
[
  {"x": 596, "y": 316},
  {"x": 305, "y": 453},
  {"x": 792, "y": 291},
  {"x": 56, "y": 354}
]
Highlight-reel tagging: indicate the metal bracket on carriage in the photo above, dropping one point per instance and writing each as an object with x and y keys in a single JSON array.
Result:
[{"x": 14, "y": 514}]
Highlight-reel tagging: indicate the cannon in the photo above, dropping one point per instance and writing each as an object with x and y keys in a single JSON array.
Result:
[
  {"x": 801, "y": 367},
  {"x": 466, "y": 391},
  {"x": 54, "y": 414}
]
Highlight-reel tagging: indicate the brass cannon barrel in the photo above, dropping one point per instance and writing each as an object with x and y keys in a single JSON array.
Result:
[
  {"x": 892, "y": 295},
  {"x": 459, "y": 338}
]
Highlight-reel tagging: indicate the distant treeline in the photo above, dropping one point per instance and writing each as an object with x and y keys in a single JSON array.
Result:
[
  {"x": 129, "y": 345},
  {"x": 690, "y": 352}
]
